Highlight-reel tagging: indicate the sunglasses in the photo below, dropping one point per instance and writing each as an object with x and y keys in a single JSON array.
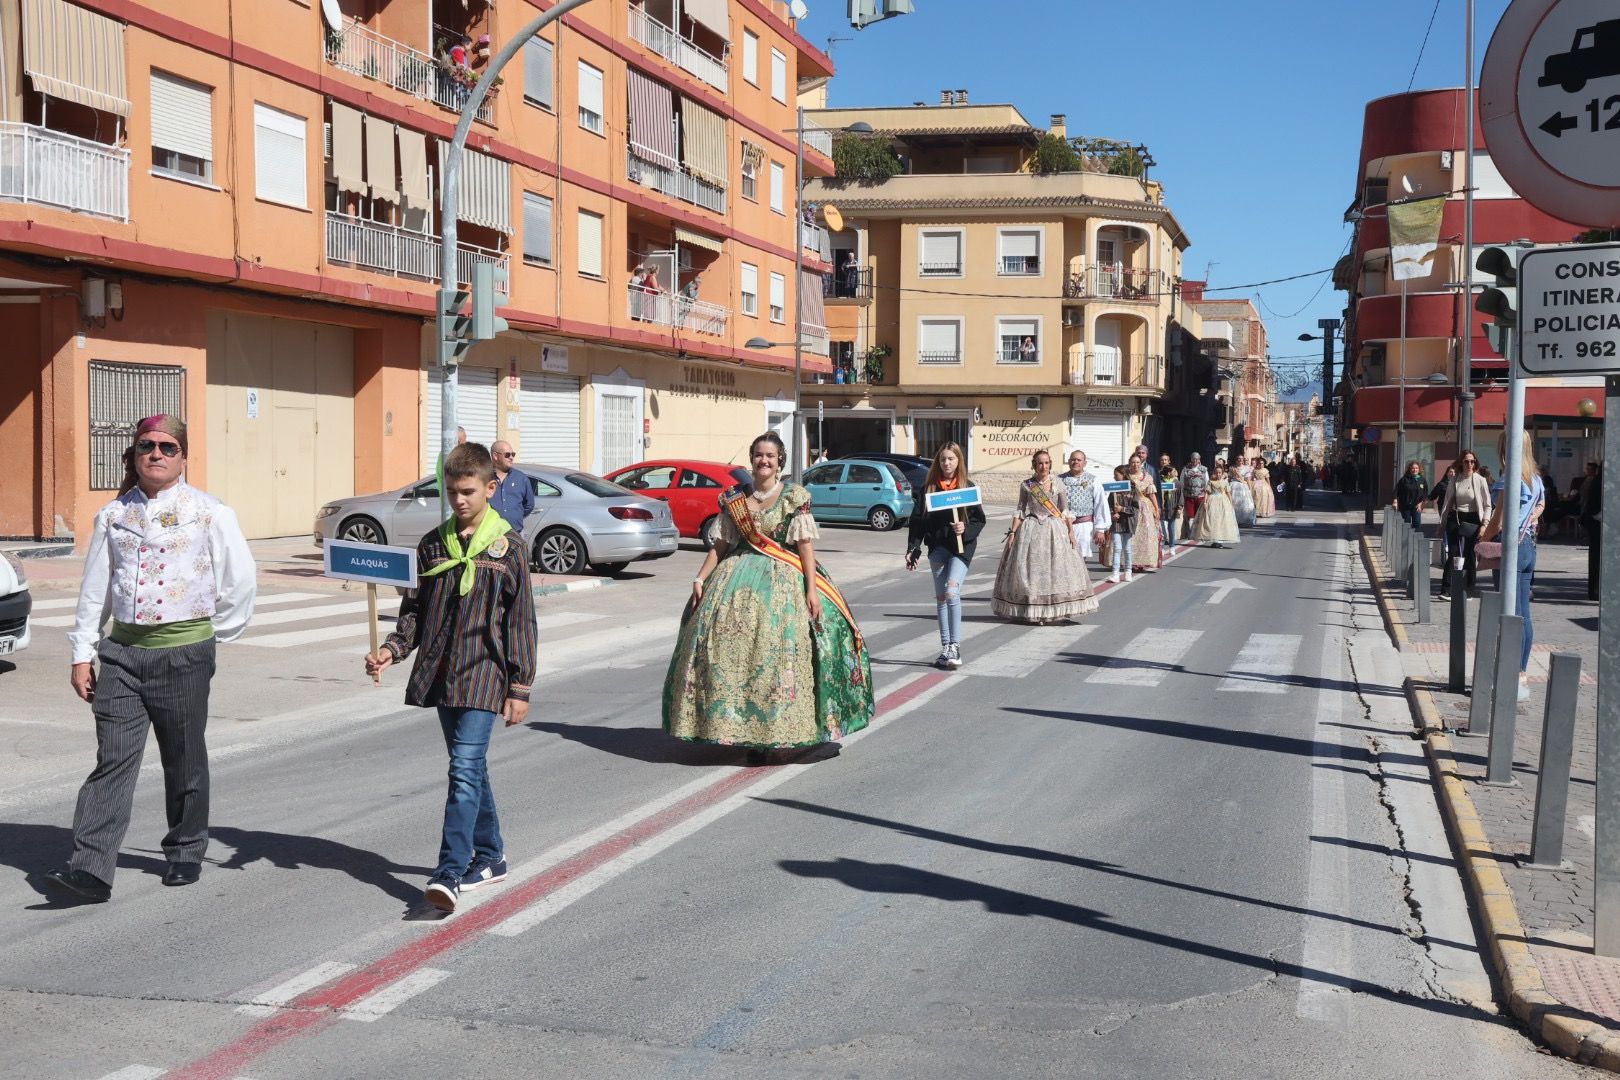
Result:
[
  {"x": 169, "y": 449},
  {"x": 507, "y": 453}
]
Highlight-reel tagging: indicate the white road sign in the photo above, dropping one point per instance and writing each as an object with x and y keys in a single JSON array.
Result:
[
  {"x": 1569, "y": 310},
  {"x": 1549, "y": 103}
]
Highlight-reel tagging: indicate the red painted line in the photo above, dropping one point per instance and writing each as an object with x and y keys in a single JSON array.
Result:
[{"x": 317, "y": 1010}]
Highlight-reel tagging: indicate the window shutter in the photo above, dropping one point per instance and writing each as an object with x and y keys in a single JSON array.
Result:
[
  {"x": 1021, "y": 245},
  {"x": 279, "y": 167},
  {"x": 777, "y": 183},
  {"x": 778, "y": 291},
  {"x": 941, "y": 249},
  {"x": 778, "y": 76},
  {"x": 590, "y": 243},
  {"x": 750, "y": 289},
  {"x": 939, "y": 336},
  {"x": 590, "y": 88},
  {"x": 182, "y": 116},
  {"x": 536, "y": 227},
  {"x": 537, "y": 71},
  {"x": 751, "y": 56}
]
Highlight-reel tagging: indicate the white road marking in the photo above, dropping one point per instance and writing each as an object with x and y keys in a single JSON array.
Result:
[
  {"x": 553, "y": 620},
  {"x": 924, "y": 646},
  {"x": 263, "y": 601},
  {"x": 1262, "y": 664},
  {"x": 55, "y": 603},
  {"x": 318, "y": 611},
  {"x": 291, "y": 638},
  {"x": 134, "y": 1072},
  {"x": 1223, "y": 588},
  {"x": 1147, "y": 659},
  {"x": 272, "y": 999},
  {"x": 1024, "y": 654},
  {"x": 394, "y": 995}
]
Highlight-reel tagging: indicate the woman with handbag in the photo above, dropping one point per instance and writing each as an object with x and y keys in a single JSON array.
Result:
[
  {"x": 950, "y": 537},
  {"x": 1532, "y": 500},
  {"x": 1467, "y": 506}
]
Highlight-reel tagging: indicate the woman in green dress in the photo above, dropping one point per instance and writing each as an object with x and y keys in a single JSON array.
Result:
[{"x": 769, "y": 656}]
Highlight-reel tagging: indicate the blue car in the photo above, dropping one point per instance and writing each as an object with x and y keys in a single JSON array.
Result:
[{"x": 875, "y": 492}]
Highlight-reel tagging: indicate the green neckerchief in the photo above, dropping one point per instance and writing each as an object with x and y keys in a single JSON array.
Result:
[{"x": 490, "y": 528}]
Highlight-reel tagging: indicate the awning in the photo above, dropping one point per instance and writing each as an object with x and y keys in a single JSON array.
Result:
[
  {"x": 698, "y": 240},
  {"x": 711, "y": 13},
  {"x": 652, "y": 119},
  {"x": 703, "y": 142},
  {"x": 347, "y": 152},
  {"x": 812, "y": 300},
  {"x": 382, "y": 170},
  {"x": 413, "y": 169},
  {"x": 485, "y": 189},
  {"x": 75, "y": 54}
]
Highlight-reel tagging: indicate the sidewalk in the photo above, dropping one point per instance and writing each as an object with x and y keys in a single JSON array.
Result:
[{"x": 1536, "y": 922}]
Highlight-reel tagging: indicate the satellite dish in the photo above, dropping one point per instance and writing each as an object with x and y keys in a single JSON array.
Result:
[
  {"x": 834, "y": 219},
  {"x": 798, "y": 9},
  {"x": 333, "y": 13},
  {"x": 1409, "y": 187}
]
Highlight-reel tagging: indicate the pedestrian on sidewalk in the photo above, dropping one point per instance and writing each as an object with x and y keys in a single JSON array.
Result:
[
  {"x": 1467, "y": 506},
  {"x": 1437, "y": 499},
  {"x": 1042, "y": 578},
  {"x": 1410, "y": 492},
  {"x": 1146, "y": 556},
  {"x": 1170, "y": 501},
  {"x": 769, "y": 656},
  {"x": 1217, "y": 521},
  {"x": 940, "y": 532},
  {"x": 1194, "y": 490},
  {"x": 169, "y": 565},
  {"x": 514, "y": 491},
  {"x": 1123, "y": 508},
  {"x": 471, "y": 624},
  {"x": 1088, "y": 510},
  {"x": 1532, "y": 501}
]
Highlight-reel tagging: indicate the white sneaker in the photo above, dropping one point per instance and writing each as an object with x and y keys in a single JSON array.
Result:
[
  {"x": 1127, "y": 575},
  {"x": 953, "y": 656},
  {"x": 1114, "y": 578}
]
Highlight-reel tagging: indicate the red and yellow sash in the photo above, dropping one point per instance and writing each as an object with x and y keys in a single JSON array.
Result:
[
  {"x": 1042, "y": 496},
  {"x": 737, "y": 506}
]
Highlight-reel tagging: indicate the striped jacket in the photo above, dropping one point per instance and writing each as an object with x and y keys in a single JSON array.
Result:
[{"x": 473, "y": 651}]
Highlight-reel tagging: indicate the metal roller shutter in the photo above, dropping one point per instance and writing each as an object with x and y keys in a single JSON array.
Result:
[
  {"x": 549, "y": 420},
  {"x": 1102, "y": 438},
  {"x": 477, "y": 410}
]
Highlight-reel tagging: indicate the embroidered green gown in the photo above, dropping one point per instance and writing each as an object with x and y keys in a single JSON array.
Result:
[{"x": 749, "y": 669}]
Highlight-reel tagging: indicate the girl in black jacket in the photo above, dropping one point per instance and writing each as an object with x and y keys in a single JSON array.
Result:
[{"x": 940, "y": 532}]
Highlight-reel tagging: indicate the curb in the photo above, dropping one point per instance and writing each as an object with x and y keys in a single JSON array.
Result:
[{"x": 1563, "y": 1029}]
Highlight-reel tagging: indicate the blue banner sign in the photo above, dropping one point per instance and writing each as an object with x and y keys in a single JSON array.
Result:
[
  {"x": 371, "y": 563},
  {"x": 1115, "y": 486},
  {"x": 1167, "y": 486},
  {"x": 952, "y": 500}
]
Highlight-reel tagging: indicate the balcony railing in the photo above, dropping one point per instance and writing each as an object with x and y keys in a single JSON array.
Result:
[
  {"x": 681, "y": 51},
  {"x": 1013, "y": 352},
  {"x": 818, "y": 138},
  {"x": 389, "y": 249},
  {"x": 848, "y": 284},
  {"x": 941, "y": 269},
  {"x": 48, "y": 168},
  {"x": 944, "y": 358},
  {"x": 1114, "y": 283},
  {"x": 817, "y": 240},
  {"x": 676, "y": 182},
  {"x": 1114, "y": 368},
  {"x": 679, "y": 312},
  {"x": 1020, "y": 265},
  {"x": 362, "y": 51}
]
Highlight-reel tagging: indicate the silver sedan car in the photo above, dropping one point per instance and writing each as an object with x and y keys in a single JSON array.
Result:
[{"x": 579, "y": 520}]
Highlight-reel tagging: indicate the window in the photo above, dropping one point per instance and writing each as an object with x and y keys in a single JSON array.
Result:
[
  {"x": 590, "y": 98},
  {"x": 824, "y": 474},
  {"x": 121, "y": 396},
  {"x": 690, "y": 479},
  {"x": 1018, "y": 341},
  {"x": 538, "y": 74},
  {"x": 182, "y": 127},
  {"x": 280, "y": 171},
  {"x": 940, "y": 253},
  {"x": 864, "y": 474},
  {"x": 1020, "y": 252},
  {"x": 536, "y": 229},
  {"x": 778, "y": 181},
  {"x": 939, "y": 341},
  {"x": 750, "y": 289},
  {"x": 778, "y": 298},
  {"x": 590, "y": 243},
  {"x": 751, "y": 57},
  {"x": 750, "y": 177},
  {"x": 648, "y": 476},
  {"x": 778, "y": 76}
]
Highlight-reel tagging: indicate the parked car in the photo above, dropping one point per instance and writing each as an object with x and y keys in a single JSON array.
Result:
[
  {"x": 15, "y": 605},
  {"x": 691, "y": 488},
  {"x": 913, "y": 467},
  {"x": 579, "y": 519},
  {"x": 875, "y": 492}
]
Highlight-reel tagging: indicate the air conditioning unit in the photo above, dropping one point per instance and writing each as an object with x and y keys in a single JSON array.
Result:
[
  {"x": 1074, "y": 317},
  {"x": 1029, "y": 403}
]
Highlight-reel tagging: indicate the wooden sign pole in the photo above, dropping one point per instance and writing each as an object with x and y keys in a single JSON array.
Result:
[
  {"x": 371, "y": 607},
  {"x": 956, "y": 516}
]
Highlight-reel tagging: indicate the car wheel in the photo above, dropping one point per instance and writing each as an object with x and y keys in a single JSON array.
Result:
[
  {"x": 609, "y": 569},
  {"x": 559, "y": 551},
  {"x": 362, "y": 530},
  {"x": 710, "y": 532},
  {"x": 880, "y": 518}
]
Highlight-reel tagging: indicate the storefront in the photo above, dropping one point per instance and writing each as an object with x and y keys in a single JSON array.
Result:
[{"x": 1102, "y": 428}]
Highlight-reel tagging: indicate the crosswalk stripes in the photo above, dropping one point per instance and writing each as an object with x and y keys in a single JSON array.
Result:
[
  {"x": 1147, "y": 659},
  {"x": 1263, "y": 665},
  {"x": 264, "y": 600},
  {"x": 1024, "y": 653}
]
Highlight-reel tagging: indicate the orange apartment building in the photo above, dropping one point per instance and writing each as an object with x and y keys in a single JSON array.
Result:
[{"x": 228, "y": 210}]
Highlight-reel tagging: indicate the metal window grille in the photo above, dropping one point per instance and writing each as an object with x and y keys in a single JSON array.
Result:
[{"x": 121, "y": 396}]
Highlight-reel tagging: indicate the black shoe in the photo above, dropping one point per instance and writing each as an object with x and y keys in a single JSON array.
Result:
[
  {"x": 182, "y": 873},
  {"x": 81, "y": 883},
  {"x": 1444, "y": 595}
]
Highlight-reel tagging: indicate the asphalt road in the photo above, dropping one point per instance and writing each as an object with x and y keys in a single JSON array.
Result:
[{"x": 1190, "y": 836}]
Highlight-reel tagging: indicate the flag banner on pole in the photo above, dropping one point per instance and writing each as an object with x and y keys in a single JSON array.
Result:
[{"x": 1414, "y": 236}]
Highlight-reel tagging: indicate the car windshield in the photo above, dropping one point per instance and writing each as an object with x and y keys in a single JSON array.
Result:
[{"x": 602, "y": 489}]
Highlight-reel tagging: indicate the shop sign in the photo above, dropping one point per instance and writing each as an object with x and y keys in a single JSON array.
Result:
[
  {"x": 1109, "y": 404},
  {"x": 554, "y": 358}
]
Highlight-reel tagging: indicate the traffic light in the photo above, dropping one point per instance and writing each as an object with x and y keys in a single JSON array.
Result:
[
  {"x": 862, "y": 13},
  {"x": 1501, "y": 300},
  {"x": 488, "y": 281},
  {"x": 455, "y": 325}
]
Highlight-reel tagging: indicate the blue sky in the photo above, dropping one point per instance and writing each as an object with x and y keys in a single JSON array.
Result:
[{"x": 1252, "y": 109}]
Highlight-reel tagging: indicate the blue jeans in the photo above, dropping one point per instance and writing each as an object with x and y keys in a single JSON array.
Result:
[
  {"x": 1521, "y": 605},
  {"x": 1122, "y": 551},
  {"x": 470, "y": 822},
  {"x": 949, "y": 571},
  {"x": 1414, "y": 517}
]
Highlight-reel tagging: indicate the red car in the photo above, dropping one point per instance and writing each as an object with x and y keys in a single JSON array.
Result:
[{"x": 692, "y": 489}]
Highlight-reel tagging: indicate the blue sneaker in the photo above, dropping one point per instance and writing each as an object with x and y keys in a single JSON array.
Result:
[
  {"x": 484, "y": 871},
  {"x": 443, "y": 891}
]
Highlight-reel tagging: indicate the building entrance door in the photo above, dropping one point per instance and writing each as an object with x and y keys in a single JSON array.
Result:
[{"x": 292, "y": 489}]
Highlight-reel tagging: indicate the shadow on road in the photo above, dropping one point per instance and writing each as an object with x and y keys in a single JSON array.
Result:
[
  {"x": 642, "y": 744},
  {"x": 288, "y": 851},
  {"x": 34, "y": 849}
]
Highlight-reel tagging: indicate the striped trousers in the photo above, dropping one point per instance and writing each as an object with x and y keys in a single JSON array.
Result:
[{"x": 167, "y": 689}]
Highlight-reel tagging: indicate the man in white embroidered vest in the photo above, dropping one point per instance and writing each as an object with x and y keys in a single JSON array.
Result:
[{"x": 169, "y": 565}]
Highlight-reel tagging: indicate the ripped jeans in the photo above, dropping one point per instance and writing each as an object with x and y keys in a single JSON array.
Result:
[{"x": 949, "y": 570}]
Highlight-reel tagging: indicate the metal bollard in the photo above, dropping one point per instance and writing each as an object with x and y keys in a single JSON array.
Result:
[
  {"x": 1485, "y": 635},
  {"x": 1557, "y": 743},
  {"x": 1420, "y": 577},
  {"x": 1457, "y": 677},
  {"x": 1504, "y": 701}
]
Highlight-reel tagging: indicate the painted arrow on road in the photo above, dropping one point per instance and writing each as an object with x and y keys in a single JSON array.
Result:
[
  {"x": 1223, "y": 588},
  {"x": 1556, "y": 124}
]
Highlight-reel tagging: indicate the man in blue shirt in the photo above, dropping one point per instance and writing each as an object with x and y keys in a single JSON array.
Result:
[{"x": 514, "y": 492}]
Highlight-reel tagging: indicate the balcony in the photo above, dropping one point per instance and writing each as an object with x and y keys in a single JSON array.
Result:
[
  {"x": 676, "y": 311},
  {"x": 1114, "y": 283},
  {"x": 848, "y": 284},
  {"x": 388, "y": 249},
  {"x": 47, "y": 168},
  {"x": 818, "y": 138},
  {"x": 362, "y": 51},
  {"x": 816, "y": 341},
  {"x": 816, "y": 240},
  {"x": 678, "y": 50},
  {"x": 677, "y": 183},
  {"x": 1112, "y": 368}
]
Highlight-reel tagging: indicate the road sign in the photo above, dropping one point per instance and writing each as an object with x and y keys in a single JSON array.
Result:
[
  {"x": 1569, "y": 309},
  {"x": 1550, "y": 109},
  {"x": 373, "y": 564},
  {"x": 953, "y": 500}
]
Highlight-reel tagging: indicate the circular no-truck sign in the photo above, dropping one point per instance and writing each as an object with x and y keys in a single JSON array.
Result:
[{"x": 1549, "y": 104}]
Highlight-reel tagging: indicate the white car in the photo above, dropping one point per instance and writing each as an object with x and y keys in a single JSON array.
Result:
[{"x": 15, "y": 604}]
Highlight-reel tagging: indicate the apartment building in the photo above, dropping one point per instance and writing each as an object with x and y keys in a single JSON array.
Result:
[
  {"x": 1250, "y": 390},
  {"x": 1403, "y": 375},
  {"x": 230, "y": 212},
  {"x": 981, "y": 302}
]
